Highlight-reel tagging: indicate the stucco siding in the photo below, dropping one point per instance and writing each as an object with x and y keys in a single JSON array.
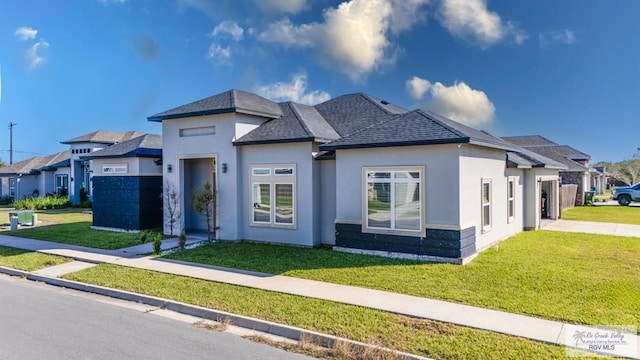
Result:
[
  {"x": 327, "y": 201},
  {"x": 307, "y": 223},
  {"x": 441, "y": 180}
]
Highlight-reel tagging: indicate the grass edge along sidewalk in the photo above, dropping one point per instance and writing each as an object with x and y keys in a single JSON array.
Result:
[
  {"x": 546, "y": 274},
  {"x": 421, "y": 337}
]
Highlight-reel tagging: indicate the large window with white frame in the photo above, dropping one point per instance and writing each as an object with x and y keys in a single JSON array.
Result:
[
  {"x": 12, "y": 187},
  {"x": 273, "y": 195},
  {"x": 486, "y": 205},
  {"x": 511, "y": 199},
  {"x": 394, "y": 200}
]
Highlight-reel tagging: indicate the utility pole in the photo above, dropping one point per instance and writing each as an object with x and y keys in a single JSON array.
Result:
[{"x": 11, "y": 125}]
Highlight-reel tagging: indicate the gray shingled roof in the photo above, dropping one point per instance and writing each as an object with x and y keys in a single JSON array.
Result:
[
  {"x": 350, "y": 113},
  {"x": 551, "y": 153},
  {"x": 529, "y": 140},
  {"x": 103, "y": 137},
  {"x": 148, "y": 145},
  {"x": 226, "y": 102},
  {"x": 527, "y": 158},
  {"x": 417, "y": 127},
  {"x": 298, "y": 123},
  {"x": 565, "y": 150},
  {"x": 36, "y": 164}
]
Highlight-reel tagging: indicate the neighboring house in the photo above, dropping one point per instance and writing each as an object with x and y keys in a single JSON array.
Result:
[
  {"x": 577, "y": 172},
  {"x": 36, "y": 176},
  {"x": 356, "y": 172},
  {"x": 598, "y": 179},
  {"x": 83, "y": 146},
  {"x": 127, "y": 184}
]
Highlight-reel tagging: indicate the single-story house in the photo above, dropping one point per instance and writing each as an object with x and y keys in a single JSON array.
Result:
[
  {"x": 81, "y": 146},
  {"x": 36, "y": 176},
  {"x": 355, "y": 172},
  {"x": 577, "y": 172},
  {"x": 127, "y": 184}
]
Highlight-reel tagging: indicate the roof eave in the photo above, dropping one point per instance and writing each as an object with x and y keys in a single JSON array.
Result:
[
  {"x": 330, "y": 147},
  {"x": 160, "y": 118},
  {"x": 276, "y": 141}
]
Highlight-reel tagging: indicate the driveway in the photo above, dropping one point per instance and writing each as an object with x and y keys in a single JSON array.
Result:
[{"x": 589, "y": 227}]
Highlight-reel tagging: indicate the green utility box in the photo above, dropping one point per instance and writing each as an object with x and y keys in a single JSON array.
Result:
[
  {"x": 588, "y": 197},
  {"x": 24, "y": 216}
]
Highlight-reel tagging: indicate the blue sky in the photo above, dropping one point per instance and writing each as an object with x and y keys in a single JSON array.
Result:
[{"x": 568, "y": 70}]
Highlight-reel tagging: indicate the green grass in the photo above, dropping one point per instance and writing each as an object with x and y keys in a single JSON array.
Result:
[
  {"x": 609, "y": 214},
  {"x": 427, "y": 338},
  {"x": 72, "y": 226},
  {"x": 27, "y": 260},
  {"x": 577, "y": 278}
]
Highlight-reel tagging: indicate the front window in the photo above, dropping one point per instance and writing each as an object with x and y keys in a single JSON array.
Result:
[
  {"x": 486, "y": 205},
  {"x": 394, "y": 200},
  {"x": 62, "y": 184},
  {"x": 511, "y": 206},
  {"x": 273, "y": 195},
  {"x": 12, "y": 187}
]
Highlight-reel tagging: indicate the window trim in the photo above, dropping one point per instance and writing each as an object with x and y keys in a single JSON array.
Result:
[
  {"x": 61, "y": 176},
  {"x": 272, "y": 180},
  {"x": 511, "y": 199},
  {"x": 115, "y": 167},
  {"x": 486, "y": 228},
  {"x": 393, "y": 169}
]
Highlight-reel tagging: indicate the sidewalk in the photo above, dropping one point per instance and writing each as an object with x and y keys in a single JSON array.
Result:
[
  {"x": 481, "y": 318},
  {"x": 589, "y": 227}
]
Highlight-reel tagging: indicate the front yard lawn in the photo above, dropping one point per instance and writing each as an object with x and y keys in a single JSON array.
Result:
[
  {"x": 610, "y": 214},
  {"x": 72, "y": 226},
  {"x": 577, "y": 278},
  {"x": 27, "y": 260},
  {"x": 423, "y": 337}
]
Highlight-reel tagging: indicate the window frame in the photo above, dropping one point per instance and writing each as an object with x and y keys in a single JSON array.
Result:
[
  {"x": 273, "y": 180},
  {"x": 13, "y": 181},
  {"x": 511, "y": 199},
  {"x": 489, "y": 203},
  {"x": 115, "y": 167},
  {"x": 61, "y": 176},
  {"x": 392, "y": 181}
]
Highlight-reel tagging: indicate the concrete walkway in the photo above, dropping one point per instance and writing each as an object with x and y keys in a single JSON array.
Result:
[
  {"x": 593, "y": 228},
  {"x": 481, "y": 318}
]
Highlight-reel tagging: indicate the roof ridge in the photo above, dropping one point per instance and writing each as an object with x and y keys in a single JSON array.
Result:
[
  {"x": 298, "y": 116},
  {"x": 428, "y": 114},
  {"x": 368, "y": 98},
  {"x": 395, "y": 116}
]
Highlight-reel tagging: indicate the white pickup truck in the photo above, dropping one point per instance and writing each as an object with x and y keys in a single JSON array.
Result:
[{"x": 626, "y": 194}]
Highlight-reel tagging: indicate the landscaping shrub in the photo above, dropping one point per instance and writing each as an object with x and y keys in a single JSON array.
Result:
[
  {"x": 144, "y": 235},
  {"x": 6, "y": 200},
  {"x": 42, "y": 203},
  {"x": 157, "y": 243},
  {"x": 182, "y": 240}
]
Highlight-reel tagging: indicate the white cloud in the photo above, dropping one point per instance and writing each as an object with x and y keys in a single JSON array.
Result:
[
  {"x": 281, "y": 6},
  {"x": 26, "y": 33},
  {"x": 295, "y": 90},
  {"x": 219, "y": 54},
  {"x": 228, "y": 28},
  {"x": 355, "y": 36},
  {"x": 458, "y": 102},
  {"x": 471, "y": 20},
  {"x": 565, "y": 36},
  {"x": 32, "y": 57},
  {"x": 417, "y": 87}
]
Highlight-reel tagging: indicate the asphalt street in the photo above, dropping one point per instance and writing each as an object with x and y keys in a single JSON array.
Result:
[{"x": 38, "y": 321}]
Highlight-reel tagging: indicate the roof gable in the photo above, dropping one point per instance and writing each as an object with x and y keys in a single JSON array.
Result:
[
  {"x": 350, "y": 113},
  {"x": 529, "y": 140},
  {"x": 148, "y": 145},
  {"x": 227, "y": 102},
  {"x": 103, "y": 137},
  {"x": 417, "y": 127}
]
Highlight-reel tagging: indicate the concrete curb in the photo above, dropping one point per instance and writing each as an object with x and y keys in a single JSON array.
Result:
[{"x": 246, "y": 322}]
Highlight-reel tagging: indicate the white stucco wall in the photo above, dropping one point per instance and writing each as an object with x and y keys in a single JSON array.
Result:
[
  {"x": 135, "y": 166},
  {"x": 219, "y": 146},
  {"x": 441, "y": 173},
  {"x": 478, "y": 163},
  {"x": 533, "y": 178},
  {"x": 327, "y": 201},
  {"x": 308, "y": 220}
]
